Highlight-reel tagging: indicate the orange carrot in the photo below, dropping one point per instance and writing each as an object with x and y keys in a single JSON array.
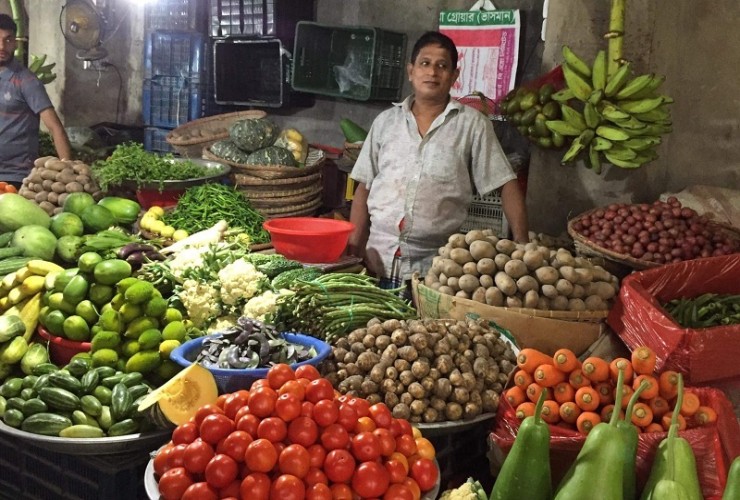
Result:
[
  {"x": 606, "y": 392},
  {"x": 565, "y": 360},
  {"x": 550, "y": 412},
  {"x": 533, "y": 392},
  {"x": 577, "y": 380},
  {"x": 627, "y": 393},
  {"x": 623, "y": 363},
  {"x": 548, "y": 376},
  {"x": 564, "y": 392},
  {"x": 587, "y": 398},
  {"x": 668, "y": 384},
  {"x": 652, "y": 389},
  {"x": 522, "y": 379},
  {"x": 595, "y": 369},
  {"x": 515, "y": 396},
  {"x": 529, "y": 359},
  {"x": 642, "y": 416},
  {"x": 569, "y": 412},
  {"x": 690, "y": 405},
  {"x": 606, "y": 413},
  {"x": 659, "y": 406},
  {"x": 643, "y": 360},
  {"x": 587, "y": 421},
  {"x": 665, "y": 421},
  {"x": 705, "y": 415},
  {"x": 653, "y": 427},
  {"x": 525, "y": 410}
]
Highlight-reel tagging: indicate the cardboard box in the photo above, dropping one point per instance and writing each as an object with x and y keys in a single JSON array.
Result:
[{"x": 544, "y": 334}]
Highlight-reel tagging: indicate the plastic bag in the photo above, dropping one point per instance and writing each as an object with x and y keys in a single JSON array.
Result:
[
  {"x": 714, "y": 446},
  {"x": 702, "y": 355}
]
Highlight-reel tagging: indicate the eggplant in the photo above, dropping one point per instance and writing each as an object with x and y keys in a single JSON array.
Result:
[
  {"x": 153, "y": 255},
  {"x": 136, "y": 259},
  {"x": 130, "y": 248}
]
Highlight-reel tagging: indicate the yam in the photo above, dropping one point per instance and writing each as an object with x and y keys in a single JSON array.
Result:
[
  {"x": 505, "y": 246},
  {"x": 527, "y": 283},
  {"x": 505, "y": 283},
  {"x": 474, "y": 235},
  {"x": 451, "y": 268},
  {"x": 546, "y": 275},
  {"x": 482, "y": 249},
  {"x": 515, "y": 268},
  {"x": 486, "y": 280},
  {"x": 461, "y": 255},
  {"x": 531, "y": 298},
  {"x": 533, "y": 259},
  {"x": 486, "y": 266},
  {"x": 494, "y": 297},
  {"x": 470, "y": 268},
  {"x": 468, "y": 283},
  {"x": 500, "y": 260},
  {"x": 457, "y": 240}
]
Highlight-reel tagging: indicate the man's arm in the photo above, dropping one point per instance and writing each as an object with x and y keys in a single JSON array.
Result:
[
  {"x": 360, "y": 217},
  {"x": 512, "y": 201},
  {"x": 58, "y": 134}
]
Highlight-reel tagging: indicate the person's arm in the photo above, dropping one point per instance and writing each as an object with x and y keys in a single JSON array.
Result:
[
  {"x": 58, "y": 134},
  {"x": 360, "y": 217},
  {"x": 515, "y": 209}
]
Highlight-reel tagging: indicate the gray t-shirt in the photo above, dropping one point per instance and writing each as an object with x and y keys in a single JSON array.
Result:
[
  {"x": 428, "y": 182},
  {"x": 22, "y": 98}
]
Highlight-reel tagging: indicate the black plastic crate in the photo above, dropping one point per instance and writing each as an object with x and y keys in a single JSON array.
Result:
[
  {"x": 170, "y": 101},
  {"x": 155, "y": 140},
  {"x": 362, "y": 63},
  {"x": 175, "y": 15},
  {"x": 259, "y": 18},
  {"x": 172, "y": 53}
]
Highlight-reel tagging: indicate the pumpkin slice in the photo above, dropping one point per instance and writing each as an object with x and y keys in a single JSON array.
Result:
[{"x": 177, "y": 400}]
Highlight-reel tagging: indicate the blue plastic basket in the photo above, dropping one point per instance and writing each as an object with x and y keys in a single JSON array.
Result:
[{"x": 230, "y": 380}]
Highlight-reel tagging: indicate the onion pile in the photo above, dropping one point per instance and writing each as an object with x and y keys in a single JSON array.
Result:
[{"x": 661, "y": 232}]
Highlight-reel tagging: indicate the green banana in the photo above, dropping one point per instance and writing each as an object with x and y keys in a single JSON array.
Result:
[
  {"x": 643, "y": 105},
  {"x": 596, "y": 96},
  {"x": 612, "y": 133},
  {"x": 36, "y": 62},
  {"x": 630, "y": 123},
  {"x": 621, "y": 153},
  {"x": 572, "y": 117},
  {"x": 591, "y": 115},
  {"x": 654, "y": 84},
  {"x": 594, "y": 158},
  {"x": 618, "y": 80},
  {"x": 563, "y": 95},
  {"x": 562, "y": 128},
  {"x": 48, "y": 78},
  {"x": 621, "y": 163},
  {"x": 558, "y": 140},
  {"x": 611, "y": 113},
  {"x": 634, "y": 86},
  {"x": 658, "y": 114},
  {"x": 642, "y": 143},
  {"x": 45, "y": 69},
  {"x": 652, "y": 129},
  {"x": 578, "y": 145},
  {"x": 601, "y": 144},
  {"x": 577, "y": 83},
  {"x": 598, "y": 72},
  {"x": 646, "y": 156},
  {"x": 576, "y": 63}
]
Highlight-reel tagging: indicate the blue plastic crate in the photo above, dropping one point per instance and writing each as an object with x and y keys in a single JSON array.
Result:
[
  {"x": 175, "y": 15},
  {"x": 168, "y": 102},
  {"x": 168, "y": 53},
  {"x": 155, "y": 140}
]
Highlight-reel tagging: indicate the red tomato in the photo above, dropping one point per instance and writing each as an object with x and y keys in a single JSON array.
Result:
[
  {"x": 318, "y": 491},
  {"x": 326, "y": 412},
  {"x": 307, "y": 409},
  {"x": 381, "y": 415},
  {"x": 413, "y": 486},
  {"x": 386, "y": 440},
  {"x": 365, "y": 446},
  {"x": 425, "y": 448},
  {"x": 397, "y": 455},
  {"x": 221, "y": 470},
  {"x": 341, "y": 491},
  {"x": 262, "y": 401},
  {"x": 216, "y": 427},
  {"x": 307, "y": 371},
  {"x": 234, "y": 402},
  {"x": 404, "y": 425},
  {"x": 261, "y": 456},
  {"x": 315, "y": 476},
  {"x": 256, "y": 486},
  {"x": 319, "y": 389},
  {"x": 293, "y": 387},
  {"x": 272, "y": 428},
  {"x": 287, "y": 487},
  {"x": 244, "y": 410},
  {"x": 398, "y": 492},
  {"x": 174, "y": 482},
  {"x": 370, "y": 480},
  {"x": 396, "y": 470},
  {"x": 221, "y": 400},
  {"x": 204, "y": 411},
  {"x": 425, "y": 473},
  {"x": 360, "y": 405},
  {"x": 303, "y": 381},
  {"x": 260, "y": 382},
  {"x": 249, "y": 424},
  {"x": 176, "y": 456},
  {"x": 160, "y": 460},
  {"x": 334, "y": 437},
  {"x": 233, "y": 490},
  {"x": 197, "y": 455},
  {"x": 303, "y": 431},
  {"x": 200, "y": 491},
  {"x": 185, "y": 433},
  {"x": 406, "y": 444},
  {"x": 287, "y": 407},
  {"x": 365, "y": 424},
  {"x": 347, "y": 417},
  {"x": 317, "y": 454},
  {"x": 339, "y": 466},
  {"x": 278, "y": 374},
  {"x": 294, "y": 459},
  {"x": 235, "y": 445}
]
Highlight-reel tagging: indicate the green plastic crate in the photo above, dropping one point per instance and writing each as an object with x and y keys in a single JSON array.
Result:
[{"x": 361, "y": 63}]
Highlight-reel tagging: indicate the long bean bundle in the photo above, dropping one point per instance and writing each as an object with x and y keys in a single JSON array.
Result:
[{"x": 334, "y": 304}]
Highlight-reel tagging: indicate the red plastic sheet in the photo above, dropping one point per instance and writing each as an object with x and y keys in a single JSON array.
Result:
[
  {"x": 702, "y": 355},
  {"x": 714, "y": 446}
]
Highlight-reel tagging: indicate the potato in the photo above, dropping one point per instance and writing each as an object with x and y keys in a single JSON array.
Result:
[
  {"x": 67, "y": 175},
  {"x": 533, "y": 259},
  {"x": 559, "y": 303},
  {"x": 515, "y": 268},
  {"x": 74, "y": 187},
  {"x": 600, "y": 274},
  {"x": 547, "y": 275},
  {"x": 513, "y": 302},
  {"x": 505, "y": 246},
  {"x": 494, "y": 297},
  {"x": 57, "y": 165},
  {"x": 549, "y": 291},
  {"x": 493, "y": 239},
  {"x": 58, "y": 210},
  {"x": 601, "y": 288},
  {"x": 531, "y": 299},
  {"x": 457, "y": 240},
  {"x": 446, "y": 290},
  {"x": 486, "y": 266},
  {"x": 565, "y": 257},
  {"x": 474, "y": 235},
  {"x": 430, "y": 279},
  {"x": 545, "y": 252},
  {"x": 437, "y": 264},
  {"x": 564, "y": 287},
  {"x": 486, "y": 280},
  {"x": 479, "y": 295},
  {"x": 595, "y": 303},
  {"x": 543, "y": 304},
  {"x": 505, "y": 283},
  {"x": 451, "y": 268},
  {"x": 518, "y": 254},
  {"x": 576, "y": 305},
  {"x": 81, "y": 169},
  {"x": 500, "y": 260},
  {"x": 468, "y": 283},
  {"x": 530, "y": 246},
  {"x": 46, "y": 184},
  {"x": 482, "y": 249},
  {"x": 578, "y": 292},
  {"x": 461, "y": 255},
  {"x": 48, "y": 207},
  {"x": 59, "y": 187},
  {"x": 444, "y": 252},
  {"x": 583, "y": 262},
  {"x": 462, "y": 294},
  {"x": 48, "y": 174},
  {"x": 470, "y": 268},
  {"x": 583, "y": 276},
  {"x": 41, "y": 196},
  {"x": 40, "y": 162},
  {"x": 454, "y": 283},
  {"x": 527, "y": 283}
]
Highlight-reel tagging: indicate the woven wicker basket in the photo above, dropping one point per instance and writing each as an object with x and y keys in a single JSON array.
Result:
[
  {"x": 190, "y": 138},
  {"x": 352, "y": 150},
  {"x": 263, "y": 194},
  {"x": 314, "y": 161},
  {"x": 248, "y": 182},
  {"x": 293, "y": 210}
]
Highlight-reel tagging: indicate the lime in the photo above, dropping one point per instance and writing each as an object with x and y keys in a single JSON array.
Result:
[
  {"x": 57, "y": 302},
  {"x": 88, "y": 260},
  {"x": 100, "y": 294},
  {"x": 105, "y": 357},
  {"x": 86, "y": 309},
  {"x": 66, "y": 224},
  {"x": 146, "y": 222},
  {"x": 130, "y": 347},
  {"x": 76, "y": 328},
  {"x": 150, "y": 339},
  {"x": 54, "y": 322},
  {"x": 130, "y": 312},
  {"x": 166, "y": 347},
  {"x": 110, "y": 319},
  {"x": 174, "y": 330},
  {"x": 172, "y": 314}
]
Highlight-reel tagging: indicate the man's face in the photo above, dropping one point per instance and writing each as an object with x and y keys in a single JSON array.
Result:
[
  {"x": 7, "y": 47},
  {"x": 432, "y": 74}
]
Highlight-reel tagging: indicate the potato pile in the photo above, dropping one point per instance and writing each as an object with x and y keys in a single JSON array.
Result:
[
  {"x": 51, "y": 179},
  {"x": 424, "y": 370},
  {"x": 503, "y": 273}
]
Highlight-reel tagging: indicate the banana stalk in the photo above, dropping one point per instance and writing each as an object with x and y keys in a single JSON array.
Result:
[
  {"x": 615, "y": 37},
  {"x": 16, "y": 12}
]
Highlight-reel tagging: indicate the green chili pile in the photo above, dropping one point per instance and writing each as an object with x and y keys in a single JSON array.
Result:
[
  {"x": 200, "y": 207},
  {"x": 706, "y": 310},
  {"x": 332, "y": 305}
]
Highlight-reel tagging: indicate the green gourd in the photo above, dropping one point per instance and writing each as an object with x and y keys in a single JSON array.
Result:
[
  {"x": 272, "y": 155},
  {"x": 630, "y": 436},
  {"x": 732, "y": 488},
  {"x": 253, "y": 133},
  {"x": 227, "y": 150}
]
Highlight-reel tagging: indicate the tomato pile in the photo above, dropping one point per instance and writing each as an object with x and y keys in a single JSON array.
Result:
[{"x": 290, "y": 437}]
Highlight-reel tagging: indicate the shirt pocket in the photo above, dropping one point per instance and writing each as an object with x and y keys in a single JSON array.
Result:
[{"x": 443, "y": 164}]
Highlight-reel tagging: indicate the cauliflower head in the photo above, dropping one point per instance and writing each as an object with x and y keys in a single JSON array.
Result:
[
  {"x": 201, "y": 301},
  {"x": 261, "y": 306},
  {"x": 240, "y": 280}
]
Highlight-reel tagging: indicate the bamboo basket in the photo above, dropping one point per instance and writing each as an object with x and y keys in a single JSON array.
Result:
[
  {"x": 314, "y": 161},
  {"x": 192, "y": 137},
  {"x": 293, "y": 210}
]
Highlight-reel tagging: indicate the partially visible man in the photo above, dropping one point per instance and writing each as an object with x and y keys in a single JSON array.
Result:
[{"x": 23, "y": 101}]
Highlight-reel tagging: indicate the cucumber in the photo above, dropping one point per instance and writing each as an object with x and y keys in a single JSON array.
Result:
[
  {"x": 138, "y": 390},
  {"x": 105, "y": 371},
  {"x": 79, "y": 417},
  {"x": 66, "y": 381},
  {"x": 79, "y": 366},
  {"x": 11, "y": 387},
  {"x": 105, "y": 420},
  {"x": 59, "y": 399},
  {"x": 132, "y": 379},
  {"x": 122, "y": 404},
  {"x": 27, "y": 393},
  {"x": 44, "y": 369},
  {"x": 5, "y": 238},
  {"x": 128, "y": 426},
  {"x": 29, "y": 381},
  {"x": 352, "y": 131},
  {"x": 15, "y": 404},
  {"x": 89, "y": 381},
  {"x": 81, "y": 431},
  {"x": 48, "y": 424},
  {"x": 103, "y": 394},
  {"x": 10, "y": 252},
  {"x": 33, "y": 406},
  {"x": 111, "y": 381},
  {"x": 12, "y": 264},
  {"x": 41, "y": 382},
  {"x": 91, "y": 405},
  {"x": 13, "y": 417}
]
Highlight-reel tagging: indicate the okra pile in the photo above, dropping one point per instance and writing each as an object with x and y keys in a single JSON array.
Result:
[{"x": 706, "y": 310}]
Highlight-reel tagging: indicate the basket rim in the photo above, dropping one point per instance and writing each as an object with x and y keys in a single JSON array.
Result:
[
  {"x": 269, "y": 172},
  {"x": 171, "y": 137}
]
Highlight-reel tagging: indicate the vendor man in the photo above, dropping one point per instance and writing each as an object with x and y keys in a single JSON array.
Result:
[{"x": 418, "y": 167}]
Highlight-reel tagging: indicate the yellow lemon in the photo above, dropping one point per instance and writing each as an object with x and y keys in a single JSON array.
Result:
[
  {"x": 180, "y": 234},
  {"x": 157, "y": 226},
  {"x": 156, "y": 210},
  {"x": 168, "y": 231}
]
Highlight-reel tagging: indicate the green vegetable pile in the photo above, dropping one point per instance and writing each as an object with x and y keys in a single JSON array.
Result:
[
  {"x": 706, "y": 310},
  {"x": 130, "y": 162},
  {"x": 200, "y": 207}
]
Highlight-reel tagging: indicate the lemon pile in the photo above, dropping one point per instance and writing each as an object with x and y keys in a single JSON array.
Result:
[{"x": 152, "y": 221}]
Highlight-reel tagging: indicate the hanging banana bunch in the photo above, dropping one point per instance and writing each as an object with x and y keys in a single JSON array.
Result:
[
  {"x": 42, "y": 71},
  {"x": 529, "y": 110}
]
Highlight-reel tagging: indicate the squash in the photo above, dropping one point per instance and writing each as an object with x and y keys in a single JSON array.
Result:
[
  {"x": 253, "y": 133},
  {"x": 177, "y": 400},
  {"x": 229, "y": 151},
  {"x": 272, "y": 155},
  {"x": 11, "y": 326},
  {"x": 295, "y": 142},
  {"x": 18, "y": 212},
  {"x": 125, "y": 211}
]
